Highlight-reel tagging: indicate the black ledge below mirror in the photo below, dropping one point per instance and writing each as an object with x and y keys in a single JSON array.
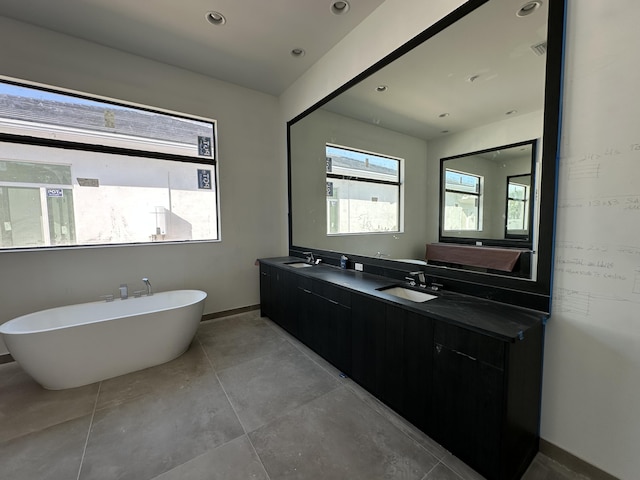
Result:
[{"x": 439, "y": 97}]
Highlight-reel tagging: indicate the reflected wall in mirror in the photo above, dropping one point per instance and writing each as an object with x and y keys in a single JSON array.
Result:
[
  {"x": 485, "y": 196},
  {"x": 481, "y": 78}
]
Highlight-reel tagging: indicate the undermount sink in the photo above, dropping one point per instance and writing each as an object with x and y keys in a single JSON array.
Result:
[
  {"x": 299, "y": 264},
  {"x": 408, "y": 294}
]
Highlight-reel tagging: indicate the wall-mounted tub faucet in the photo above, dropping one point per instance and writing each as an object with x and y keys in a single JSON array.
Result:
[{"x": 148, "y": 284}]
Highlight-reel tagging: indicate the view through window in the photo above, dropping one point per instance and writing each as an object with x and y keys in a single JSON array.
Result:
[
  {"x": 76, "y": 171},
  {"x": 463, "y": 201},
  {"x": 363, "y": 192}
]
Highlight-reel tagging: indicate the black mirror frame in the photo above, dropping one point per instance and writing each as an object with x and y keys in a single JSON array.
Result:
[
  {"x": 506, "y": 241},
  {"x": 530, "y": 294}
]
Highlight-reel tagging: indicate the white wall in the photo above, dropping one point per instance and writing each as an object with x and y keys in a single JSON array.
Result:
[
  {"x": 591, "y": 393},
  {"x": 252, "y": 181}
]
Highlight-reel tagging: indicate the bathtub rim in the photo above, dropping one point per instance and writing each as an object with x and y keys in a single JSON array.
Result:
[{"x": 202, "y": 297}]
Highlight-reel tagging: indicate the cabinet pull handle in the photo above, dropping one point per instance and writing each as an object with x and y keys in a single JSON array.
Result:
[
  {"x": 465, "y": 355},
  {"x": 306, "y": 291},
  {"x": 333, "y": 301}
]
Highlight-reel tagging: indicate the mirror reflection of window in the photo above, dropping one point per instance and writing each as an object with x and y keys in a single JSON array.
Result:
[
  {"x": 463, "y": 201},
  {"x": 363, "y": 192},
  {"x": 518, "y": 194}
]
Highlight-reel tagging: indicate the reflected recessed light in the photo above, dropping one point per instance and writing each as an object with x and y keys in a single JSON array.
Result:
[
  {"x": 298, "y": 52},
  {"x": 511, "y": 112},
  {"x": 528, "y": 8},
  {"x": 382, "y": 88},
  {"x": 443, "y": 115},
  {"x": 215, "y": 18},
  {"x": 339, "y": 7}
]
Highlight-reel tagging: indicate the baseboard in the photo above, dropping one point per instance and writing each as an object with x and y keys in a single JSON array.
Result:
[
  {"x": 6, "y": 358},
  {"x": 226, "y": 313},
  {"x": 573, "y": 463}
]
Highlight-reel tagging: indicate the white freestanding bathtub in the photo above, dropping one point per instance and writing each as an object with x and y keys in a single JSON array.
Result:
[{"x": 76, "y": 345}]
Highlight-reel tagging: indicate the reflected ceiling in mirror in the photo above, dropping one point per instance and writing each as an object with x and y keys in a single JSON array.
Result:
[{"x": 487, "y": 66}]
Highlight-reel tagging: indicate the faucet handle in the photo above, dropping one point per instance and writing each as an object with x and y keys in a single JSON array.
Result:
[
  {"x": 412, "y": 281},
  {"x": 107, "y": 298}
]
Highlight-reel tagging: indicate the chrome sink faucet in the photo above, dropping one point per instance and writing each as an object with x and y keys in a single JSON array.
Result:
[
  {"x": 148, "y": 284},
  {"x": 310, "y": 258},
  {"x": 419, "y": 275}
]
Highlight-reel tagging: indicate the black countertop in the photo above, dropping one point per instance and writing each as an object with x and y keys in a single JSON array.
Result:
[{"x": 498, "y": 320}]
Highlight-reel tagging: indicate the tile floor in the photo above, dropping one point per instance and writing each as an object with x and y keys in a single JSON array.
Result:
[{"x": 246, "y": 401}]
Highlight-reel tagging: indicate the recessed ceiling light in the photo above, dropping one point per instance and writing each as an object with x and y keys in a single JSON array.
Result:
[
  {"x": 298, "y": 52},
  {"x": 382, "y": 88},
  {"x": 528, "y": 8},
  {"x": 340, "y": 7},
  {"x": 215, "y": 18},
  {"x": 444, "y": 131},
  {"x": 443, "y": 115},
  {"x": 511, "y": 112}
]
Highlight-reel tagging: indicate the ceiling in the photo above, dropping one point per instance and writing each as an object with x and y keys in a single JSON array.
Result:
[{"x": 252, "y": 49}]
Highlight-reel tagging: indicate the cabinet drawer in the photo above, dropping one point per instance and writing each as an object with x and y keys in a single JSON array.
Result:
[
  {"x": 474, "y": 345},
  {"x": 332, "y": 293}
]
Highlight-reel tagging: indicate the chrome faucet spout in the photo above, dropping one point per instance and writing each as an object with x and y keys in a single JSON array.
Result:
[{"x": 148, "y": 284}]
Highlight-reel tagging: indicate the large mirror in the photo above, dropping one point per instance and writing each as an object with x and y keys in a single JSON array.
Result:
[{"x": 484, "y": 79}]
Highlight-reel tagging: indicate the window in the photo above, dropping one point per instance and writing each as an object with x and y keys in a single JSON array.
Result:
[
  {"x": 76, "y": 171},
  {"x": 363, "y": 192},
  {"x": 463, "y": 201}
]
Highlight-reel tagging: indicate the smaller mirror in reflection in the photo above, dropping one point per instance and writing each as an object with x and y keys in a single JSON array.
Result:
[{"x": 486, "y": 195}]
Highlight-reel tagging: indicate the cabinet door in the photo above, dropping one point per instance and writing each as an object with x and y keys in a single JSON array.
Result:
[
  {"x": 285, "y": 301},
  {"x": 368, "y": 343},
  {"x": 468, "y": 398},
  {"x": 418, "y": 365},
  {"x": 306, "y": 323},
  {"x": 266, "y": 299},
  {"x": 393, "y": 365},
  {"x": 325, "y": 321}
]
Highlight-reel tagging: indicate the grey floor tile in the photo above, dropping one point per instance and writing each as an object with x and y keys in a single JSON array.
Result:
[
  {"x": 338, "y": 437},
  {"x": 161, "y": 380},
  {"x": 142, "y": 438},
  {"x": 267, "y": 387},
  {"x": 26, "y": 407},
  {"x": 461, "y": 468},
  {"x": 403, "y": 425},
  {"x": 442, "y": 472},
  {"x": 53, "y": 453},
  {"x": 235, "y": 460},
  {"x": 544, "y": 468},
  {"x": 238, "y": 339}
]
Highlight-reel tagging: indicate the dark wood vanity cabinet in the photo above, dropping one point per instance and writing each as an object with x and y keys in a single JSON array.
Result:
[
  {"x": 277, "y": 287},
  {"x": 324, "y": 320},
  {"x": 476, "y": 394},
  {"x": 486, "y": 398}
]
